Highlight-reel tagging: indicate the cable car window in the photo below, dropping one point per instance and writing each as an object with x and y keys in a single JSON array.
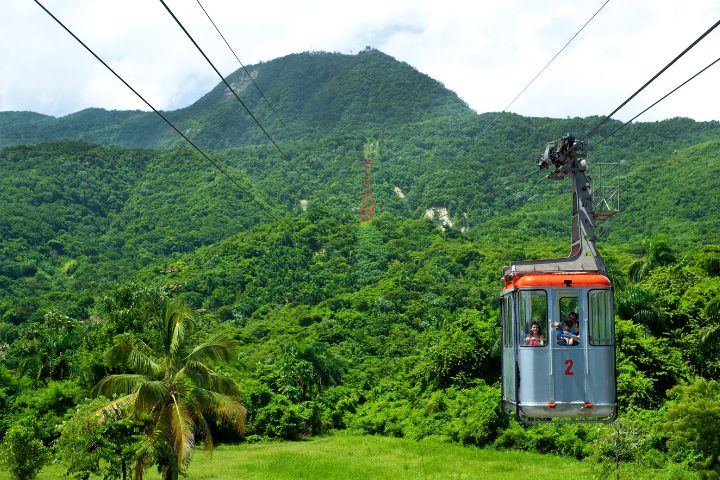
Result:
[
  {"x": 568, "y": 329},
  {"x": 600, "y": 317},
  {"x": 533, "y": 309},
  {"x": 566, "y": 306},
  {"x": 506, "y": 315}
]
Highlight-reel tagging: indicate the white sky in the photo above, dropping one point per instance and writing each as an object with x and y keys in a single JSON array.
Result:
[{"x": 486, "y": 51}]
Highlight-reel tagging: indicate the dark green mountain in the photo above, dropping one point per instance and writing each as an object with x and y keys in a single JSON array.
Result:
[{"x": 312, "y": 95}]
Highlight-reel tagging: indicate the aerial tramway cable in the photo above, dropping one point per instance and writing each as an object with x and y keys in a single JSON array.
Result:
[
  {"x": 283, "y": 154},
  {"x": 589, "y": 148},
  {"x": 607, "y": 117},
  {"x": 556, "y": 55},
  {"x": 690, "y": 47},
  {"x": 213, "y": 162},
  {"x": 655, "y": 103},
  {"x": 272, "y": 107},
  {"x": 487, "y": 127}
]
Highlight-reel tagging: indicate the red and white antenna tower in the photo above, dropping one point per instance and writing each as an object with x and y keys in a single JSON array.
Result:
[{"x": 367, "y": 204}]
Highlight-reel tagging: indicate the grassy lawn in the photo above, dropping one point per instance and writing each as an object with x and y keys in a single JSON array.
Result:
[{"x": 367, "y": 458}]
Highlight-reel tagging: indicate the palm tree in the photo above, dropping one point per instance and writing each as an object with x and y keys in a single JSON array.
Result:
[
  {"x": 173, "y": 389},
  {"x": 639, "y": 303},
  {"x": 710, "y": 332},
  {"x": 306, "y": 368},
  {"x": 657, "y": 253}
]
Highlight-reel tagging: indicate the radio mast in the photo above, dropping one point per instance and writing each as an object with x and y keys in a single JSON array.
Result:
[{"x": 367, "y": 204}]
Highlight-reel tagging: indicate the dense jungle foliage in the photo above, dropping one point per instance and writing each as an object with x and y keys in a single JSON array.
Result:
[{"x": 389, "y": 327}]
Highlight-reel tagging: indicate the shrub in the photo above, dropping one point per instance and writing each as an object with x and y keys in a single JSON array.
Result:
[
  {"x": 22, "y": 453},
  {"x": 692, "y": 420}
]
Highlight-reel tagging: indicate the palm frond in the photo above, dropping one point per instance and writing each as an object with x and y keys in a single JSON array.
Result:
[
  {"x": 118, "y": 384},
  {"x": 213, "y": 351},
  {"x": 659, "y": 251},
  {"x": 197, "y": 413},
  {"x": 135, "y": 354},
  {"x": 160, "y": 428},
  {"x": 712, "y": 308},
  {"x": 634, "y": 299},
  {"x": 224, "y": 385},
  {"x": 203, "y": 377},
  {"x": 181, "y": 426},
  {"x": 176, "y": 317},
  {"x": 639, "y": 270},
  {"x": 149, "y": 396},
  {"x": 225, "y": 408},
  {"x": 119, "y": 404},
  {"x": 198, "y": 373},
  {"x": 710, "y": 335}
]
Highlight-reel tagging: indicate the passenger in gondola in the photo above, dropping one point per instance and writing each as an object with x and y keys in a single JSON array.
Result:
[
  {"x": 563, "y": 334},
  {"x": 535, "y": 339},
  {"x": 574, "y": 329}
]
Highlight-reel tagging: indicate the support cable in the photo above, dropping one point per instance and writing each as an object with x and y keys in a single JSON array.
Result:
[
  {"x": 272, "y": 107},
  {"x": 487, "y": 127},
  {"x": 603, "y": 121},
  {"x": 214, "y": 163},
  {"x": 284, "y": 156},
  {"x": 651, "y": 106},
  {"x": 556, "y": 55}
]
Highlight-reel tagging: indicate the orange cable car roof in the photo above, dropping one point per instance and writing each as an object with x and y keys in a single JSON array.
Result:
[{"x": 556, "y": 279}]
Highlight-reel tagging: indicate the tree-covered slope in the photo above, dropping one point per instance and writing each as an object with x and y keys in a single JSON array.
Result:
[
  {"x": 676, "y": 193},
  {"x": 312, "y": 94},
  {"x": 79, "y": 215},
  {"x": 59, "y": 199},
  {"x": 384, "y": 328}
]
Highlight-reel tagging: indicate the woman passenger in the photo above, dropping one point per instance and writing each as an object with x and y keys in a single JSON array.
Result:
[{"x": 535, "y": 339}]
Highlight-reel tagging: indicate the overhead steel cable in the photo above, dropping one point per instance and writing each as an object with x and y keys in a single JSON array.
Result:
[
  {"x": 522, "y": 192},
  {"x": 272, "y": 107},
  {"x": 556, "y": 55},
  {"x": 214, "y": 163},
  {"x": 535, "y": 77},
  {"x": 603, "y": 121},
  {"x": 655, "y": 103},
  {"x": 232, "y": 90}
]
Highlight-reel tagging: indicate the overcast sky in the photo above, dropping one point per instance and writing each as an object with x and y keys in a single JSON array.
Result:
[{"x": 485, "y": 51}]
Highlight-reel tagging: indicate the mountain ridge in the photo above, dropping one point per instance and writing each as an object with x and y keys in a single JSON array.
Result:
[{"x": 315, "y": 94}]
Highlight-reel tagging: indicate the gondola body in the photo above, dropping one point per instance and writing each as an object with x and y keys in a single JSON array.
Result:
[{"x": 556, "y": 380}]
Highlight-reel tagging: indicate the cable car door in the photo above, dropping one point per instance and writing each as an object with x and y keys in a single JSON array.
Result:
[
  {"x": 509, "y": 378},
  {"x": 569, "y": 364}
]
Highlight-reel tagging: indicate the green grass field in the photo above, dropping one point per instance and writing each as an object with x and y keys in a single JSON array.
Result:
[{"x": 368, "y": 458}]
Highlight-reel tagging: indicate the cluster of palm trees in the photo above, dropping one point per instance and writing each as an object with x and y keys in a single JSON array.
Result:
[{"x": 639, "y": 303}]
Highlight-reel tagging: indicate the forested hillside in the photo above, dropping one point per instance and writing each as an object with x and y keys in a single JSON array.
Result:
[{"x": 388, "y": 327}]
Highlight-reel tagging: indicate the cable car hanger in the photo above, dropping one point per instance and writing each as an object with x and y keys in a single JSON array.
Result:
[{"x": 568, "y": 157}]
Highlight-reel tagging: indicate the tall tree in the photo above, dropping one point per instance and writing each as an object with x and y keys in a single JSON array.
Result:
[
  {"x": 306, "y": 368},
  {"x": 174, "y": 388},
  {"x": 657, "y": 253}
]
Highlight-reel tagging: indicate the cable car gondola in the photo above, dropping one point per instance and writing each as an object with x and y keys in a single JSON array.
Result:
[{"x": 558, "y": 337}]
